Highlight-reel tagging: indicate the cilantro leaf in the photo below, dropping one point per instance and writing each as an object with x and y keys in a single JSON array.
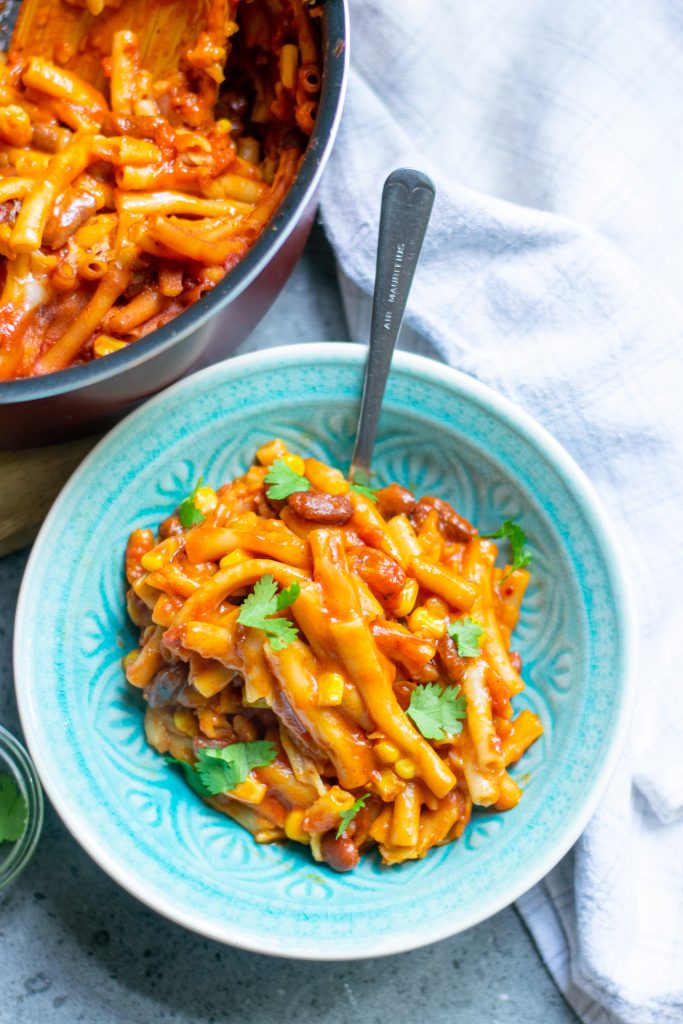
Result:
[
  {"x": 188, "y": 513},
  {"x": 467, "y": 635},
  {"x": 284, "y": 481},
  {"x": 367, "y": 492},
  {"x": 222, "y": 769},
  {"x": 265, "y": 602},
  {"x": 437, "y": 712},
  {"x": 280, "y": 633},
  {"x": 517, "y": 537},
  {"x": 288, "y": 596},
  {"x": 348, "y": 815},
  {"x": 191, "y": 776},
  {"x": 261, "y": 603},
  {"x": 13, "y": 810}
]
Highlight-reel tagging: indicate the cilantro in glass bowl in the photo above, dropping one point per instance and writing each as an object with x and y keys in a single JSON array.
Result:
[{"x": 21, "y": 808}]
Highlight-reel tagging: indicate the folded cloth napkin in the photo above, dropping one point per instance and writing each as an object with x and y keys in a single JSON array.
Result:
[{"x": 552, "y": 270}]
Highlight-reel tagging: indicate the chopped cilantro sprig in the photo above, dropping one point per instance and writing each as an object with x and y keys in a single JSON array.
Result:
[
  {"x": 188, "y": 513},
  {"x": 222, "y": 769},
  {"x": 284, "y": 481},
  {"x": 348, "y": 815},
  {"x": 467, "y": 635},
  {"x": 513, "y": 532},
  {"x": 437, "y": 711},
  {"x": 264, "y": 602}
]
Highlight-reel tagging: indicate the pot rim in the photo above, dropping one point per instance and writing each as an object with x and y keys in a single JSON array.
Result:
[{"x": 335, "y": 22}]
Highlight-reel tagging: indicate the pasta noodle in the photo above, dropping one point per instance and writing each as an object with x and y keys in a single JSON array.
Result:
[
  {"x": 150, "y": 184},
  {"x": 355, "y": 644}
]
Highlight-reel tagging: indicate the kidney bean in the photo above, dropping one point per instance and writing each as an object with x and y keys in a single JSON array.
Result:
[
  {"x": 452, "y": 526},
  {"x": 453, "y": 664},
  {"x": 268, "y": 508},
  {"x": 170, "y": 527},
  {"x": 341, "y": 854},
  {"x": 166, "y": 685},
  {"x": 403, "y": 691},
  {"x": 189, "y": 697},
  {"x": 315, "y": 507},
  {"x": 74, "y": 209},
  {"x": 235, "y": 103},
  {"x": 395, "y": 500},
  {"x": 381, "y": 572},
  {"x": 9, "y": 211}
]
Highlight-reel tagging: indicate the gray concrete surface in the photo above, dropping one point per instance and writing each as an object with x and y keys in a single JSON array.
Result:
[{"x": 76, "y": 947}]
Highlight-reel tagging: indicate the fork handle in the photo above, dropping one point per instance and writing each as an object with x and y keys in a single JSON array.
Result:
[{"x": 407, "y": 200}]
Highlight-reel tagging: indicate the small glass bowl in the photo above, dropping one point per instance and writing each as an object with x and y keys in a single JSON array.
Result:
[{"x": 14, "y": 761}]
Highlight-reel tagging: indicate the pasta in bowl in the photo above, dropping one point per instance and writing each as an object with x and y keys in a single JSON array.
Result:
[
  {"x": 328, "y": 663},
  {"x": 441, "y": 434}
]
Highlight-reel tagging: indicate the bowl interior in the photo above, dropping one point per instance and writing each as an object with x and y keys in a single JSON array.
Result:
[{"x": 440, "y": 433}]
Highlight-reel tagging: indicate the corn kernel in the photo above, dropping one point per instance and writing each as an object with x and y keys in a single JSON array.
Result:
[
  {"x": 387, "y": 752},
  {"x": 425, "y": 625},
  {"x": 251, "y": 791},
  {"x": 130, "y": 658},
  {"x": 294, "y": 828},
  {"x": 295, "y": 463},
  {"x": 236, "y": 556},
  {"x": 185, "y": 722},
  {"x": 205, "y": 499},
  {"x": 214, "y": 274},
  {"x": 268, "y": 453},
  {"x": 405, "y": 768},
  {"x": 388, "y": 784},
  {"x": 104, "y": 345},
  {"x": 330, "y": 689},
  {"x": 160, "y": 555},
  {"x": 406, "y": 599}
]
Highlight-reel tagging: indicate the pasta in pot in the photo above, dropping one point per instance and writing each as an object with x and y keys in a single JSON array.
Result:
[
  {"x": 330, "y": 664},
  {"x": 121, "y": 205}
]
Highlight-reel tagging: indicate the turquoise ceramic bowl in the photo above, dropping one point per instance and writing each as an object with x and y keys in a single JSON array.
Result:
[{"x": 440, "y": 433}]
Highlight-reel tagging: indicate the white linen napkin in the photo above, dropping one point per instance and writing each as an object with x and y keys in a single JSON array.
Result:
[{"x": 552, "y": 271}]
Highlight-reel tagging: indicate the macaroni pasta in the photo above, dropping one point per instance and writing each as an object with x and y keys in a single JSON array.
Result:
[
  {"x": 352, "y": 647},
  {"x": 122, "y": 203}
]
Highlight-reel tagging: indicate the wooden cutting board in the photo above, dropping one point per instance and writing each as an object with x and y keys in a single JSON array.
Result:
[{"x": 30, "y": 480}]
